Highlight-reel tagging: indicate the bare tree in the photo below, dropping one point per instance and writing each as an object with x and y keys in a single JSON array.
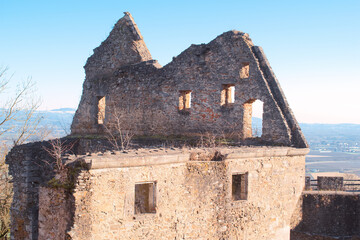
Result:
[
  {"x": 18, "y": 113},
  {"x": 117, "y": 132},
  {"x": 65, "y": 125},
  {"x": 56, "y": 150},
  {"x": 18, "y": 122}
]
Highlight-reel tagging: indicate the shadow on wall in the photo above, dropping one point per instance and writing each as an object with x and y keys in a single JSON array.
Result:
[{"x": 327, "y": 215}]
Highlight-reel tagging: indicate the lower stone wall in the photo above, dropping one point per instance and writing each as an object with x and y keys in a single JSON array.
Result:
[
  {"x": 327, "y": 215},
  {"x": 28, "y": 170},
  {"x": 193, "y": 200},
  {"x": 55, "y": 208},
  {"x": 193, "y": 194}
]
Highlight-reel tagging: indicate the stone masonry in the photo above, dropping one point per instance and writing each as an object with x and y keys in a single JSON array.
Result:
[
  {"x": 193, "y": 195},
  {"x": 327, "y": 215},
  {"x": 147, "y": 96},
  {"x": 235, "y": 187}
]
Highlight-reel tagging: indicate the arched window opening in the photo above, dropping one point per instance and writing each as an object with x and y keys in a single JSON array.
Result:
[{"x": 252, "y": 119}]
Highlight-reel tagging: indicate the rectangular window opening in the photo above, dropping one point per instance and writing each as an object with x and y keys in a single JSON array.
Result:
[
  {"x": 245, "y": 68},
  {"x": 239, "y": 186},
  {"x": 101, "y": 109},
  {"x": 185, "y": 100},
  {"x": 227, "y": 94},
  {"x": 145, "y": 198}
]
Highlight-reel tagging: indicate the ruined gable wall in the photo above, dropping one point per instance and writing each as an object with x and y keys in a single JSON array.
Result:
[
  {"x": 298, "y": 138},
  {"x": 193, "y": 198},
  {"x": 205, "y": 68},
  {"x": 147, "y": 97},
  {"x": 123, "y": 46}
]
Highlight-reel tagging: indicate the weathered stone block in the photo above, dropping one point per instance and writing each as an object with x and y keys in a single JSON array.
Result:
[{"x": 330, "y": 183}]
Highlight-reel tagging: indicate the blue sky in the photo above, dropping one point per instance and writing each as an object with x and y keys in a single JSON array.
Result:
[{"x": 313, "y": 46}]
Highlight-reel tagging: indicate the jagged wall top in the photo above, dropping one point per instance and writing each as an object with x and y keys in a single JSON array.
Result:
[
  {"x": 123, "y": 46},
  {"x": 189, "y": 95}
]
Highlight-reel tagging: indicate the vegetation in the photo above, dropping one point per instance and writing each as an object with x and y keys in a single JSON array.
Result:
[{"x": 117, "y": 133}]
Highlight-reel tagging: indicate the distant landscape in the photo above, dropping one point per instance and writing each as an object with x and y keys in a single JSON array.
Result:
[
  {"x": 334, "y": 147},
  {"x": 55, "y": 122},
  {"x": 328, "y": 137}
]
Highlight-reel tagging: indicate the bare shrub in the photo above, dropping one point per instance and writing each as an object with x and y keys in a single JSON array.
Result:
[
  {"x": 56, "y": 151},
  {"x": 18, "y": 112},
  {"x": 221, "y": 133},
  {"x": 118, "y": 132}
]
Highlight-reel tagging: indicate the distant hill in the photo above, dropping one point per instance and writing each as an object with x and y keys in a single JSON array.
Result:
[
  {"x": 56, "y": 121},
  {"x": 63, "y": 110},
  {"x": 334, "y": 130}
]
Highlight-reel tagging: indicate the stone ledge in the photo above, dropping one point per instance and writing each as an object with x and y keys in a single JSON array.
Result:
[
  {"x": 315, "y": 192},
  {"x": 121, "y": 160}
]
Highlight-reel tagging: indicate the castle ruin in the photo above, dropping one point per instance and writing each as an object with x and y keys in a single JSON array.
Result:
[{"x": 244, "y": 189}]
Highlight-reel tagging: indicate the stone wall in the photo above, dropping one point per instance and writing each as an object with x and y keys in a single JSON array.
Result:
[
  {"x": 31, "y": 167},
  {"x": 124, "y": 46},
  {"x": 28, "y": 168},
  {"x": 144, "y": 97},
  {"x": 327, "y": 215},
  {"x": 193, "y": 196},
  {"x": 55, "y": 208},
  {"x": 186, "y": 193}
]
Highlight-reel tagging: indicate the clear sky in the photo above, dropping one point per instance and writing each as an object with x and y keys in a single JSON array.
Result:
[{"x": 312, "y": 45}]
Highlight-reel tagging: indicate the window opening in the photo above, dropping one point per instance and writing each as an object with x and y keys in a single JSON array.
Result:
[
  {"x": 245, "y": 69},
  {"x": 101, "y": 109},
  {"x": 257, "y": 115},
  {"x": 252, "y": 119},
  {"x": 185, "y": 100},
  {"x": 145, "y": 198},
  {"x": 239, "y": 186},
  {"x": 227, "y": 94}
]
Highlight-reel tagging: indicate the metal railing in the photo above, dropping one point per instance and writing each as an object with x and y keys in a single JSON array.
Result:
[
  {"x": 347, "y": 185},
  {"x": 351, "y": 185}
]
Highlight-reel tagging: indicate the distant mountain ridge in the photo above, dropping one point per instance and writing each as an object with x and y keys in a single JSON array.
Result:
[
  {"x": 63, "y": 110},
  {"x": 55, "y": 121},
  {"x": 348, "y": 129},
  {"x": 341, "y": 137}
]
